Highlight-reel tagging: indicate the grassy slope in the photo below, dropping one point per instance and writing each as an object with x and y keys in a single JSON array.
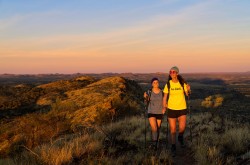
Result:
[
  {"x": 73, "y": 131},
  {"x": 70, "y": 111}
]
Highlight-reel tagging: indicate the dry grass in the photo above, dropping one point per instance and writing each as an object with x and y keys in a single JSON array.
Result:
[
  {"x": 236, "y": 140},
  {"x": 99, "y": 102},
  {"x": 7, "y": 162},
  {"x": 117, "y": 143},
  {"x": 92, "y": 125},
  {"x": 122, "y": 142},
  {"x": 218, "y": 140}
]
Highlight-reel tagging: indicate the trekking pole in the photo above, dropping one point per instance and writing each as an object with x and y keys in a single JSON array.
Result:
[
  {"x": 190, "y": 125},
  {"x": 167, "y": 134},
  {"x": 146, "y": 103},
  {"x": 145, "y": 131}
]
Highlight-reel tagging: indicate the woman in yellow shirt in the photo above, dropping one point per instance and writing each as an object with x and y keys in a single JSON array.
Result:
[{"x": 175, "y": 103}]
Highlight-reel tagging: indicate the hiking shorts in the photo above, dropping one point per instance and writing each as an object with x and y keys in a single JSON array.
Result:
[
  {"x": 176, "y": 113},
  {"x": 157, "y": 116}
]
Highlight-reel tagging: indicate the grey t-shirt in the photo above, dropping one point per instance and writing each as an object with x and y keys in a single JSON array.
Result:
[{"x": 155, "y": 104}]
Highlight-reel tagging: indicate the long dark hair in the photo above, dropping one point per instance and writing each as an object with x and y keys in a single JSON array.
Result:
[{"x": 180, "y": 78}]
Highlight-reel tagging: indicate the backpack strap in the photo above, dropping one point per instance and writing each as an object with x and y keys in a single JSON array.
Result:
[
  {"x": 182, "y": 84},
  {"x": 149, "y": 97},
  {"x": 149, "y": 92},
  {"x": 168, "y": 83}
]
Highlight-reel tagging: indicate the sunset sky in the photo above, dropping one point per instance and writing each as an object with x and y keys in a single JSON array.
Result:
[{"x": 139, "y": 36}]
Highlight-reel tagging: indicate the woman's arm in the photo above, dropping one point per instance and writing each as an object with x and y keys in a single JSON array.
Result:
[
  {"x": 188, "y": 89},
  {"x": 164, "y": 103}
]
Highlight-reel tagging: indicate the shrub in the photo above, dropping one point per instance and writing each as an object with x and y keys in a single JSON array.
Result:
[
  {"x": 236, "y": 140},
  {"x": 218, "y": 140}
]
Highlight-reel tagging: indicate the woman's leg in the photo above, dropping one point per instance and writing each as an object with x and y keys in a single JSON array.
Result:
[
  {"x": 182, "y": 127},
  {"x": 172, "y": 126},
  {"x": 158, "y": 128},
  {"x": 182, "y": 124},
  {"x": 153, "y": 124}
]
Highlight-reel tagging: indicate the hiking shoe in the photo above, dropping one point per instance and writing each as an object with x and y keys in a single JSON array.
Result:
[
  {"x": 181, "y": 140},
  {"x": 173, "y": 150},
  {"x": 153, "y": 145}
]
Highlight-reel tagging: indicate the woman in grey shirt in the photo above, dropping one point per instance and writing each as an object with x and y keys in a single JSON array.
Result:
[{"x": 155, "y": 109}]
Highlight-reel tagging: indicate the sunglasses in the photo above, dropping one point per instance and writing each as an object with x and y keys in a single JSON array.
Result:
[{"x": 172, "y": 72}]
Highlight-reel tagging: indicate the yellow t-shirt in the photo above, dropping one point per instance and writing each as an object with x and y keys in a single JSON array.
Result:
[{"x": 176, "y": 99}]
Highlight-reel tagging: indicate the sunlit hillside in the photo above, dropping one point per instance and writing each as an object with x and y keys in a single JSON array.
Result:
[
  {"x": 91, "y": 120},
  {"x": 63, "y": 107}
]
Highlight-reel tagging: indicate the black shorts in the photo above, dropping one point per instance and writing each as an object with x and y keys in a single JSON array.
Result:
[
  {"x": 157, "y": 116},
  {"x": 176, "y": 113}
]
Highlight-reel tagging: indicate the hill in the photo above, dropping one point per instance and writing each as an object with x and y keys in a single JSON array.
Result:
[
  {"x": 99, "y": 120},
  {"x": 62, "y": 107}
]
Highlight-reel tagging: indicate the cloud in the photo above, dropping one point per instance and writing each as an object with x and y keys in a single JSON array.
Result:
[
  {"x": 138, "y": 33},
  {"x": 141, "y": 39},
  {"x": 15, "y": 20},
  {"x": 12, "y": 21}
]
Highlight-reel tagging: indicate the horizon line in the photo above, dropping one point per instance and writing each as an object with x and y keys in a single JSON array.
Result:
[{"x": 122, "y": 73}]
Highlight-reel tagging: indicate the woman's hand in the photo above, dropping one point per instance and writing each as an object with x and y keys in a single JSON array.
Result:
[
  {"x": 164, "y": 102},
  {"x": 188, "y": 90},
  {"x": 146, "y": 98},
  {"x": 163, "y": 111}
]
